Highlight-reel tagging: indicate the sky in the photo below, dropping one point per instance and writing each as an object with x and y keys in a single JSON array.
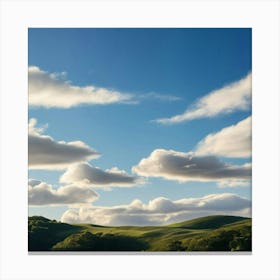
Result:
[{"x": 139, "y": 126}]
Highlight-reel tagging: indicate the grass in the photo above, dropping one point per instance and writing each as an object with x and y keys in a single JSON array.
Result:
[{"x": 209, "y": 222}]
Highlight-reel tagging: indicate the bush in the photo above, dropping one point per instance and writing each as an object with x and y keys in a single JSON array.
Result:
[
  {"x": 222, "y": 240},
  {"x": 86, "y": 241}
]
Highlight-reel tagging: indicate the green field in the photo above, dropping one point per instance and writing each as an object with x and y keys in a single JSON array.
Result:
[{"x": 211, "y": 233}]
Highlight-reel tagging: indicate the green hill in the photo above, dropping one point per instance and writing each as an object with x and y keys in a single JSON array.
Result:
[
  {"x": 44, "y": 233},
  {"x": 212, "y": 233},
  {"x": 209, "y": 222}
]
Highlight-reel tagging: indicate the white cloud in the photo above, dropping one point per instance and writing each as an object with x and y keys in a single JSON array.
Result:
[
  {"x": 51, "y": 90},
  {"x": 160, "y": 97},
  {"x": 85, "y": 174},
  {"x": 233, "y": 97},
  {"x": 234, "y": 183},
  {"x": 160, "y": 210},
  {"x": 184, "y": 167},
  {"x": 232, "y": 141},
  {"x": 46, "y": 153},
  {"x": 40, "y": 193}
]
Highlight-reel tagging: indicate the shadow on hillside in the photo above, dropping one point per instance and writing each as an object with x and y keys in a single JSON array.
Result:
[{"x": 86, "y": 241}]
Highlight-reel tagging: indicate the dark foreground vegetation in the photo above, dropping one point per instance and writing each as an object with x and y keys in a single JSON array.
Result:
[{"x": 213, "y": 233}]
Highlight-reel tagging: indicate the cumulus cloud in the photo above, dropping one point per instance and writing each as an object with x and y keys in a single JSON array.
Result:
[
  {"x": 233, "y": 97},
  {"x": 160, "y": 210},
  {"x": 232, "y": 141},
  {"x": 41, "y": 193},
  {"x": 184, "y": 167},
  {"x": 85, "y": 174},
  {"x": 51, "y": 90},
  {"x": 46, "y": 153}
]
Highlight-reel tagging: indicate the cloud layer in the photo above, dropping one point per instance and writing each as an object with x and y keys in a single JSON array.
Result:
[
  {"x": 85, "y": 174},
  {"x": 40, "y": 193},
  {"x": 184, "y": 167},
  {"x": 233, "y": 97},
  {"x": 232, "y": 141},
  {"x": 160, "y": 210},
  {"x": 46, "y": 153},
  {"x": 51, "y": 90}
]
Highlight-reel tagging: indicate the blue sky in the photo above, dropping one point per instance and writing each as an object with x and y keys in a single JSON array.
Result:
[{"x": 161, "y": 73}]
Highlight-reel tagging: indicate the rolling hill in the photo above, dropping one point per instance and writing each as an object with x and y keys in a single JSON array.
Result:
[
  {"x": 209, "y": 222},
  {"x": 212, "y": 233}
]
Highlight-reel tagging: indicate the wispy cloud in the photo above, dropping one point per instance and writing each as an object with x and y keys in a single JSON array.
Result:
[
  {"x": 52, "y": 90},
  {"x": 231, "y": 183},
  {"x": 184, "y": 167},
  {"x": 46, "y": 153},
  {"x": 160, "y": 210},
  {"x": 85, "y": 174},
  {"x": 41, "y": 193},
  {"x": 160, "y": 97},
  {"x": 231, "y": 141},
  {"x": 233, "y": 97}
]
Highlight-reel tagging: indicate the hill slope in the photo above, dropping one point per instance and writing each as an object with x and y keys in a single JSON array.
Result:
[
  {"x": 209, "y": 222},
  {"x": 212, "y": 233}
]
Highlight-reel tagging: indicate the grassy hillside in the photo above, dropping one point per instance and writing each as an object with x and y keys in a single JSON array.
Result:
[
  {"x": 213, "y": 233},
  {"x": 209, "y": 222}
]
